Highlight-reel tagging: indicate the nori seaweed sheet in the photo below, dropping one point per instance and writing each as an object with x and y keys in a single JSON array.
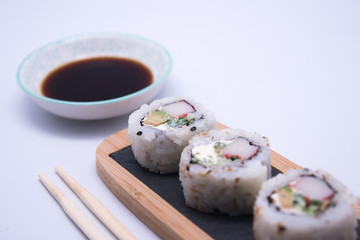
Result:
[{"x": 169, "y": 188}]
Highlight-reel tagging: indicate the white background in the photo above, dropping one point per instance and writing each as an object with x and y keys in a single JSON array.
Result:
[{"x": 287, "y": 69}]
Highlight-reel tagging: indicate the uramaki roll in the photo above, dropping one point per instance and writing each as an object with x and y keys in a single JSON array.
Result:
[
  {"x": 159, "y": 132},
  {"x": 304, "y": 204},
  {"x": 222, "y": 171}
]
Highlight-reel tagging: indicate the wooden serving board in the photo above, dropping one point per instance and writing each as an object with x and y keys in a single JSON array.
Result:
[{"x": 158, "y": 214}]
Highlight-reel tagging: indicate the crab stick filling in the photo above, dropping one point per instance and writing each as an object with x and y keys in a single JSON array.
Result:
[
  {"x": 307, "y": 195},
  {"x": 170, "y": 115},
  {"x": 224, "y": 152}
]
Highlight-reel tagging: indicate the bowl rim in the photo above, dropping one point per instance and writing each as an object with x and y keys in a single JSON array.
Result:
[{"x": 91, "y": 35}]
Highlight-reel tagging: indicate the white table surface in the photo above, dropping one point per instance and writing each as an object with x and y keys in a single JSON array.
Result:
[{"x": 288, "y": 70}]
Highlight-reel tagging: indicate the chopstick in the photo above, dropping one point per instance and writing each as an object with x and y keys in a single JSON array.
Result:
[
  {"x": 96, "y": 207},
  {"x": 79, "y": 218}
]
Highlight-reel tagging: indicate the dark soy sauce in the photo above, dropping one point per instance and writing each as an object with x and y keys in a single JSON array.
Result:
[{"x": 96, "y": 79}]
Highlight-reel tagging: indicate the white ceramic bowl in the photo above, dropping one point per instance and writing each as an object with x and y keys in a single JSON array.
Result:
[{"x": 38, "y": 64}]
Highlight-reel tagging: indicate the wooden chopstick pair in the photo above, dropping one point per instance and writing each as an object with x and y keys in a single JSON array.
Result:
[{"x": 79, "y": 218}]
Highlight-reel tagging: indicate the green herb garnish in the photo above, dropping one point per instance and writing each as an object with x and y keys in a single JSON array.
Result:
[
  {"x": 309, "y": 207},
  {"x": 181, "y": 121},
  {"x": 218, "y": 146}
]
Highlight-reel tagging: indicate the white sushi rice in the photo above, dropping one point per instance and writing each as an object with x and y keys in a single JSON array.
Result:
[
  {"x": 228, "y": 189},
  {"x": 338, "y": 221},
  {"x": 158, "y": 149}
]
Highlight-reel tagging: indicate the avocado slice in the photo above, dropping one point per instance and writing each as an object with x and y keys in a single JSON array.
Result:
[{"x": 156, "y": 118}]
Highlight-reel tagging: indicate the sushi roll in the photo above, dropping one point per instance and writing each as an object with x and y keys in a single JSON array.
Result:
[
  {"x": 159, "y": 132},
  {"x": 304, "y": 204},
  {"x": 222, "y": 171}
]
